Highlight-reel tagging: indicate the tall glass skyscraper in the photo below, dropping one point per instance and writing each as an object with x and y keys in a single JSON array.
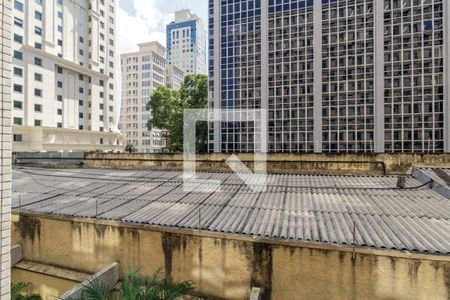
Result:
[
  {"x": 186, "y": 43},
  {"x": 334, "y": 75}
]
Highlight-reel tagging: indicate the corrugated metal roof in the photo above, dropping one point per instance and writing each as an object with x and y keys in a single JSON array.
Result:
[
  {"x": 438, "y": 179},
  {"x": 348, "y": 210}
]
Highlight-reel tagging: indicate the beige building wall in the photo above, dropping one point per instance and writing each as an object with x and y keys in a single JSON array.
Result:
[
  {"x": 5, "y": 146},
  {"x": 142, "y": 73},
  {"x": 228, "y": 266},
  {"x": 174, "y": 77},
  {"x": 41, "y": 139},
  {"x": 63, "y": 67}
]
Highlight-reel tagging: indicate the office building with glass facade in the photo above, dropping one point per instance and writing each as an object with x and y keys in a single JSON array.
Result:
[
  {"x": 333, "y": 75},
  {"x": 186, "y": 43}
]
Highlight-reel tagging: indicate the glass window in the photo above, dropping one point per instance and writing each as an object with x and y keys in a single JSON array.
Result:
[
  {"x": 18, "y": 22},
  {"x": 37, "y": 61},
  {"x": 18, "y": 72},
  {"x": 18, "y": 138},
  {"x": 38, "y": 108},
  {"x": 17, "y": 121},
  {"x": 18, "y": 104},
  {"x": 37, "y": 15},
  {"x": 18, "y": 55},
  {"x": 18, "y": 5},
  {"x": 18, "y": 88},
  {"x": 18, "y": 38}
]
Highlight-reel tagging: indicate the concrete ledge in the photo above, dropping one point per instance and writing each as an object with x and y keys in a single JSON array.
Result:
[
  {"x": 296, "y": 163},
  {"x": 109, "y": 276},
  {"x": 16, "y": 254},
  {"x": 52, "y": 271}
]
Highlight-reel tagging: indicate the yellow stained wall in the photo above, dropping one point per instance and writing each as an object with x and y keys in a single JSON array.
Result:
[
  {"x": 48, "y": 287},
  {"x": 285, "y": 163},
  {"x": 227, "y": 266}
]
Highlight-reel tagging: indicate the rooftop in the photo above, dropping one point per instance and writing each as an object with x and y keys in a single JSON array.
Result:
[{"x": 366, "y": 211}]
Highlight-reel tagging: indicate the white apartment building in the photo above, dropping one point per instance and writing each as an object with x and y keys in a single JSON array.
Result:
[
  {"x": 186, "y": 43},
  {"x": 174, "y": 77},
  {"x": 63, "y": 81},
  {"x": 142, "y": 73},
  {"x": 5, "y": 149}
]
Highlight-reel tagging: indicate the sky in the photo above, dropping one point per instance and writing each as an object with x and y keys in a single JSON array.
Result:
[{"x": 140, "y": 21}]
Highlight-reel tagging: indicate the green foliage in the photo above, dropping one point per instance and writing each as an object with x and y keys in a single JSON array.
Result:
[
  {"x": 158, "y": 288},
  {"x": 23, "y": 291},
  {"x": 168, "y": 107},
  {"x": 130, "y": 148},
  {"x": 137, "y": 287},
  {"x": 98, "y": 290}
]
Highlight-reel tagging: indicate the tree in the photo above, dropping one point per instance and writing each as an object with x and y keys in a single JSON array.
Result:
[
  {"x": 137, "y": 287},
  {"x": 130, "y": 148},
  {"x": 168, "y": 107}
]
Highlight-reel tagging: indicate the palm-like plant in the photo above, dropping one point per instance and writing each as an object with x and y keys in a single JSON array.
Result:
[
  {"x": 97, "y": 290},
  {"x": 137, "y": 287},
  {"x": 130, "y": 148},
  {"x": 23, "y": 291},
  {"x": 157, "y": 288}
]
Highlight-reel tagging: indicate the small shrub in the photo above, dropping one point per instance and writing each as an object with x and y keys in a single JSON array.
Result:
[{"x": 23, "y": 291}]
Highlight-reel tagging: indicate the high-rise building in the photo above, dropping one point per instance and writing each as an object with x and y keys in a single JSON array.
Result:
[
  {"x": 142, "y": 73},
  {"x": 63, "y": 83},
  {"x": 174, "y": 77},
  {"x": 186, "y": 43},
  {"x": 5, "y": 148},
  {"x": 334, "y": 76}
]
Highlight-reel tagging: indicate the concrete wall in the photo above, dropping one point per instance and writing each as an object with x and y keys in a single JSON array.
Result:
[
  {"x": 283, "y": 163},
  {"x": 5, "y": 145},
  {"x": 227, "y": 266}
]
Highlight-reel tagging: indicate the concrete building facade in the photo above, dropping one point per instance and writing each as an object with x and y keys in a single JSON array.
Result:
[
  {"x": 174, "y": 77},
  {"x": 142, "y": 73},
  {"x": 5, "y": 147},
  {"x": 186, "y": 43},
  {"x": 334, "y": 76},
  {"x": 64, "y": 69}
]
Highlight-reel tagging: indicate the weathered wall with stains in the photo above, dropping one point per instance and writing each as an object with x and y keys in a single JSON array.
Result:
[
  {"x": 226, "y": 266},
  {"x": 283, "y": 163}
]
